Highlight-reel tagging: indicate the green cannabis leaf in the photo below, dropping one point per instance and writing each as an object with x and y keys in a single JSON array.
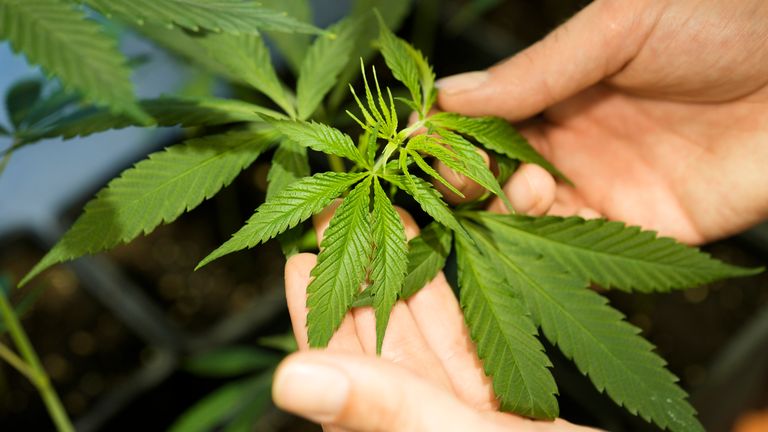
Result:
[
  {"x": 345, "y": 253},
  {"x": 324, "y": 60},
  {"x": 52, "y": 34},
  {"x": 286, "y": 209},
  {"x": 157, "y": 190},
  {"x": 595, "y": 336},
  {"x": 427, "y": 253},
  {"x": 164, "y": 111},
  {"x": 409, "y": 67},
  {"x": 612, "y": 254},
  {"x": 505, "y": 337},
  {"x": 390, "y": 259},
  {"x": 495, "y": 134},
  {"x": 322, "y": 138},
  {"x": 232, "y": 16}
]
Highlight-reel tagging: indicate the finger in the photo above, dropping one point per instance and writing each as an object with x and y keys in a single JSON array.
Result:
[
  {"x": 403, "y": 343},
  {"x": 297, "y": 278},
  {"x": 596, "y": 43},
  {"x": 451, "y": 343},
  {"x": 531, "y": 190},
  {"x": 471, "y": 189},
  {"x": 367, "y": 394},
  {"x": 362, "y": 394}
]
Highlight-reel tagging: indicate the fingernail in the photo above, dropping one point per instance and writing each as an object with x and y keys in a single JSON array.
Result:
[
  {"x": 314, "y": 390},
  {"x": 461, "y": 82}
]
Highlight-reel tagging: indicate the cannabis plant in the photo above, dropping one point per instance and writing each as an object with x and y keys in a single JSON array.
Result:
[{"x": 517, "y": 275}]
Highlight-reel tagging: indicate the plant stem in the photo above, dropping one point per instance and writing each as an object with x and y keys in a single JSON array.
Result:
[
  {"x": 12, "y": 359},
  {"x": 336, "y": 163},
  {"x": 41, "y": 381}
]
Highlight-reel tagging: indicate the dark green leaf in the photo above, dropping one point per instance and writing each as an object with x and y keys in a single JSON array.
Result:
[
  {"x": 426, "y": 257},
  {"x": 505, "y": 337},
  {"x": 157, "y": 190}
]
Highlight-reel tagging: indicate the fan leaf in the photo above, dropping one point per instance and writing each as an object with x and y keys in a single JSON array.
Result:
[
  {"x": 52, "y": 34},
  {"x": 345, "y": 253},
  {"x": 164, "y": 111},
  {"x": 408, "y": 66},
  {"x": 612, "y": 254},
  {"x": 390, "y": 259},
  {"x": 505, "y": 337},
  {"x": 494, "y": 134},
  {"x": 320, "y": 137},
  {"x": 427, "y": 253},
  {"x": 231, "y": 16},
  {"x": 595, "y": 336},
  {"x": 156, "y": 190},
  {"x": 286, "y": 209},
  {"x": 322, "y": 64}
]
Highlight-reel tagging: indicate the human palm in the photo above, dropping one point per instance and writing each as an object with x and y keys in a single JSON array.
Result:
[{"x": 655, "y": 110}]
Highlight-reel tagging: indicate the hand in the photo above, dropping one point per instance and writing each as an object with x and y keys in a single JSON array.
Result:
[
  {"x": 657, "y": 110},
  {"x": 428, "y": 377}
]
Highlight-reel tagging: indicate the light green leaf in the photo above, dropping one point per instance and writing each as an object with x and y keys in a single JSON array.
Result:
[
  {"x": 472, "y": 164},
  {"x": 427, "y": 253},
  {"x": 612, "y": 254},
  {"x": 19, "y": 98},
  {"x": 390, "y": 259},
  {"x": 248, "y": 60},
  {"x": 164, "y": 111},
  {"x": 231, "y": 361},
  {"x": 324, "y": 60},
  {"x": 595, "y": 336},
  {"x": 293, "y": 46},
  {"x": 321, "y": 137},
  {"x": 432, "y": 172},
  {"x": 156, "y": 190},
  {"x": 289, "y": 164},
  {"x": 505, "y": 336},
  {"x": 345, "y": 253},
  {"x": 293, "y": 205},
  {"x": 52, "y": 34},
  {"x": 409, "y": 67},
  {"x": 225, "y": 403},
  {"x": 231, "y": 16},
  {"x": 495, "y": 134},
  {"x": 429, "y": 199}
]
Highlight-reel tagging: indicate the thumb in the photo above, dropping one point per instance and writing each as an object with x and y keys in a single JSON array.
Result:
[
  {"x": 361, "y": 393},
  {"x": 596, "y": 43}
]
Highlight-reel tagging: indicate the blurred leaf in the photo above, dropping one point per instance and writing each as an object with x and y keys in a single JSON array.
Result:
[
  {"x": 61, "y": 39},
  {"x": 230, "y": 16},
  {"x": 226, "y": 404},
  {"x": 231, "y": 361},
  {"x": 165, "y": 111},
  {"x": 293, "y": 46},
  {"x": 26, "y": 302},
  {"x": 4, "y": 131},
  {"x": 20, "y": 98},
  {"x": 392, "y": 12},
  {"x": 283, "y": 342},
  {"x": 157, "y": 190},
  {"x": 324, "y": 60}
]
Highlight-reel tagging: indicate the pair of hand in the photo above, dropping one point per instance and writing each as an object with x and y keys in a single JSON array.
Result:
[{"x": 658, "y": 112}]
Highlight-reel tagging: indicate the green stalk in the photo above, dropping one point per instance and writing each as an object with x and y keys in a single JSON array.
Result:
[
  {"x": 336, "y": 163},
  {"x": 41, "y": 381}
]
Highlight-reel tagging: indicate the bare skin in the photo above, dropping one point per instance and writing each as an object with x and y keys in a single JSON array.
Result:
[{"x": 656, "y": 109}]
